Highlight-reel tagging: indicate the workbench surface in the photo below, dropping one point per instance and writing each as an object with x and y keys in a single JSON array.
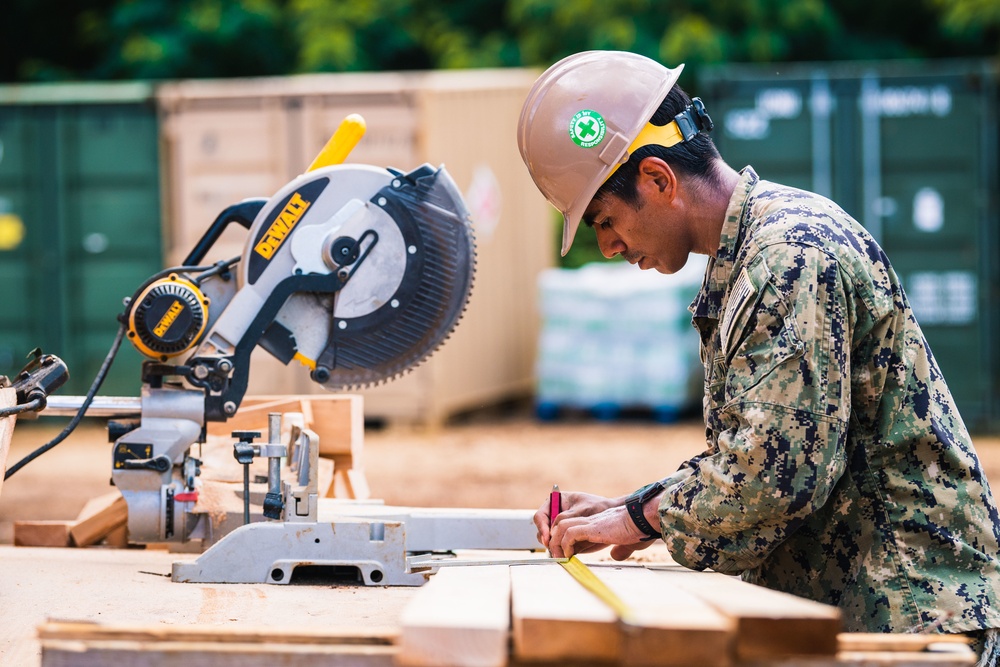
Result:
[{"x": 133, "y": 586}]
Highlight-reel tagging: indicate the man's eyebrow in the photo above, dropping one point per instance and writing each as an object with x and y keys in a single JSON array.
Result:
[{"x": 591, "y": 219}]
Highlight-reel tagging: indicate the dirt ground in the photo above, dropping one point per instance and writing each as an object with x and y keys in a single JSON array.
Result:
[{"x": 501, "y": 458}]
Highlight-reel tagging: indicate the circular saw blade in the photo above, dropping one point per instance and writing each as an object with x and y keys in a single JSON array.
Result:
[
  {"x": 406, "y": 295},
  {"x": 438, "y": 256}
]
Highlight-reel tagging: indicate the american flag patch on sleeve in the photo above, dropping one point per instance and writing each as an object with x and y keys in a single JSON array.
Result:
[{"x": 740, "y": 295}]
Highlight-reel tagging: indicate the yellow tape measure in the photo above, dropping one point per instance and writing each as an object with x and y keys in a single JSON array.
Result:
[{"x": 586, "y": 578}]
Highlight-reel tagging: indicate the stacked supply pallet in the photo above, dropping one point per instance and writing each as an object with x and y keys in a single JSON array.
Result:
[{"x": 616, "y": 338}]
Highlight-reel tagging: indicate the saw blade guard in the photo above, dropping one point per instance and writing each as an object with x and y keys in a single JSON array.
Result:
[{"x": 402, "y": 250}]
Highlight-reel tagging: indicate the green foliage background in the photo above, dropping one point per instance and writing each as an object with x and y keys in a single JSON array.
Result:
[
  {"x": 46, "y": 40},
  {"x": 54, "y": 40}
]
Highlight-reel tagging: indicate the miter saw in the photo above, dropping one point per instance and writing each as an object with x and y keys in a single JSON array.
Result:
[{"x": 354, "y": 271}]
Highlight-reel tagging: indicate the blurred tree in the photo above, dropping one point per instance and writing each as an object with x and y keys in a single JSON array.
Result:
[
  {"x": 152, "y": 39},
  {"x": 547, "y": 30},
  {"x": 975, "y": 19},
  {"x": 41, "y": 40},
  {"x": 401, "y": 34},
  {"x": 146, "y": 39},
  {"x": 113, "y": 39}
]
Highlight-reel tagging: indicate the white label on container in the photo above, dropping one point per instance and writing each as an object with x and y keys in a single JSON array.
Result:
[
  {"x": 755, "y": 123},
  {"x": 747, "y": 124},
  {"x": 779, "y": 102},
  {"x": 928, "y": 210},
  {"x": 947, "y": 297},
  {"x": 897, "y": 101},
  {"x": 95, "y": 243}
]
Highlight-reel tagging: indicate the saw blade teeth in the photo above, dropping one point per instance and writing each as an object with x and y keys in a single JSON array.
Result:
[{"x": 391, "y": 343}]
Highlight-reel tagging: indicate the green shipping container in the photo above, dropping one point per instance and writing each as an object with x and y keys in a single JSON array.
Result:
[
  {"x": 80, "y": 223},
  {"x": 910, "y": 150}
]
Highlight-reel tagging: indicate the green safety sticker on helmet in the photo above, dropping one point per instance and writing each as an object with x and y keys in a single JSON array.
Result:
[{"x": 587, "y": 128}]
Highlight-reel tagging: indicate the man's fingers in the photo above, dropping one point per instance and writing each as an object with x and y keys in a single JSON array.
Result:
[
  {"x": 555, "y": 549},
  {"x": 575, "y": 539},
  {"x": 623, "y": 551},
  {"x": 541, "y": 520}
]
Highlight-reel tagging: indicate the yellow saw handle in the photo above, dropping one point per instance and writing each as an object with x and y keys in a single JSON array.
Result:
[{"x": 342, "y": 142}]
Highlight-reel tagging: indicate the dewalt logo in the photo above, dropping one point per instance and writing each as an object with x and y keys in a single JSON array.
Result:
[
  {"x": 161, "y": 328},
  {"x": 282, "y": 226}
]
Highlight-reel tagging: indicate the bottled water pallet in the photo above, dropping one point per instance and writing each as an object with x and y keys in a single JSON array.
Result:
[{"x": 610, "y": 411}]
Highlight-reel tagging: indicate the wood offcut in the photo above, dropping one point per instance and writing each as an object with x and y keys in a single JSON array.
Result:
[{"x": 8, "y": 399}]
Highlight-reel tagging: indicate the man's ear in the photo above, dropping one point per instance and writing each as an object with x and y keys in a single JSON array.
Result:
[{"x": 656, "y": 179}]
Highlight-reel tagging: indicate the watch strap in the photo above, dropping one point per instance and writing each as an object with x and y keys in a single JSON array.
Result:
[{"x": 634, "y": 504}]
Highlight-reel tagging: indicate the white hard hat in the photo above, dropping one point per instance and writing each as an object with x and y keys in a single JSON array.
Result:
[{"x": 580, "y": 121}]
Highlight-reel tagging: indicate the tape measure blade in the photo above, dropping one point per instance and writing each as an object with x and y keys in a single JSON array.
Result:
[{"x": 586, "y": 578}]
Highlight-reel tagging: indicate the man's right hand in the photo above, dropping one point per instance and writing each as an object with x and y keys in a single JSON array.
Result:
[{"x": 574, "y": 504}]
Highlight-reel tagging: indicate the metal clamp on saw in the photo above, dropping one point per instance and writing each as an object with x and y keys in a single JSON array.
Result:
[{"x": 41, "y": 376}]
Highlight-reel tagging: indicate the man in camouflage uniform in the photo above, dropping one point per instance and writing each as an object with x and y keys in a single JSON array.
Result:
[{"x": 838, "y": 468}]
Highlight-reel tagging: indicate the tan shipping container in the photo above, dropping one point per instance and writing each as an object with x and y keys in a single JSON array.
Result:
[{"x": 227, "y": 140}]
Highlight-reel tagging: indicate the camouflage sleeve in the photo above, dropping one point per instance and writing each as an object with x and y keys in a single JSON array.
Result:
[
  {"x": 680, "y": 475},
  {"x": 778, "y": 398}
]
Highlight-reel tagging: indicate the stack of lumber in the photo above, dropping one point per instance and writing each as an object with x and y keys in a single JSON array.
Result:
[
  {"x": 103, "y": 520},
  {"x": 529, "y": 616},
  {"x": 540, "y": 615}
]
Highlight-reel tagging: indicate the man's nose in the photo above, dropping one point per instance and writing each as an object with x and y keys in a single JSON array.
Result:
[{"x": 608, "y": 242}]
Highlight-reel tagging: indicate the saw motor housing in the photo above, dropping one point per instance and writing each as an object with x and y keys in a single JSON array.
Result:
[
  {"x": 168, "y": 318},
  {"x": 356, "y": 272}
]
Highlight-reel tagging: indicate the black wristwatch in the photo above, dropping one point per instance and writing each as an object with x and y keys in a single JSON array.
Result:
[{"x": 634, "y": 506}]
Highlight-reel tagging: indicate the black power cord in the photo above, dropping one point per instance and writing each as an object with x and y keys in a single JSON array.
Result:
[
  {"x": 203, "y": 271},
  {"x": 98, "y": 381},
  {"x": 30, "y": 406}
]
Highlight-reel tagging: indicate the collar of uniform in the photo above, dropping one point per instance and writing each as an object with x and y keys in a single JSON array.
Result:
[{"x": 708, "y": 302}]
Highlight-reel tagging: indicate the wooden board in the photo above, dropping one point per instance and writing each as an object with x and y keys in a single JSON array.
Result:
[
  {"x": 768, "y": 623},
  {"x": 56, "y": 653},
  {"x": 668, "y": 626},
  {"x": 42, "y": 533},
  {"x": 84, "y": 631},
  {"x": 99, "y": 517},
  {"x": 93, "y": 645},
  {"x": 8, "y": 398},
  {"x": 554, "y": 618},
  {"x": 909, "y": 643},
  {"x": 460, "y": 618}
]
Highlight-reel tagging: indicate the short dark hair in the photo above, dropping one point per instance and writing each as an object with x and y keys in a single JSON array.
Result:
[{"x": 694, "y": 157}]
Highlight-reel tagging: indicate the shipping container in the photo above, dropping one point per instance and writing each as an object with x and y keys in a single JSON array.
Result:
[
  {"x": 80, "y": 223},
  {"x": 910, "y": 150}
]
